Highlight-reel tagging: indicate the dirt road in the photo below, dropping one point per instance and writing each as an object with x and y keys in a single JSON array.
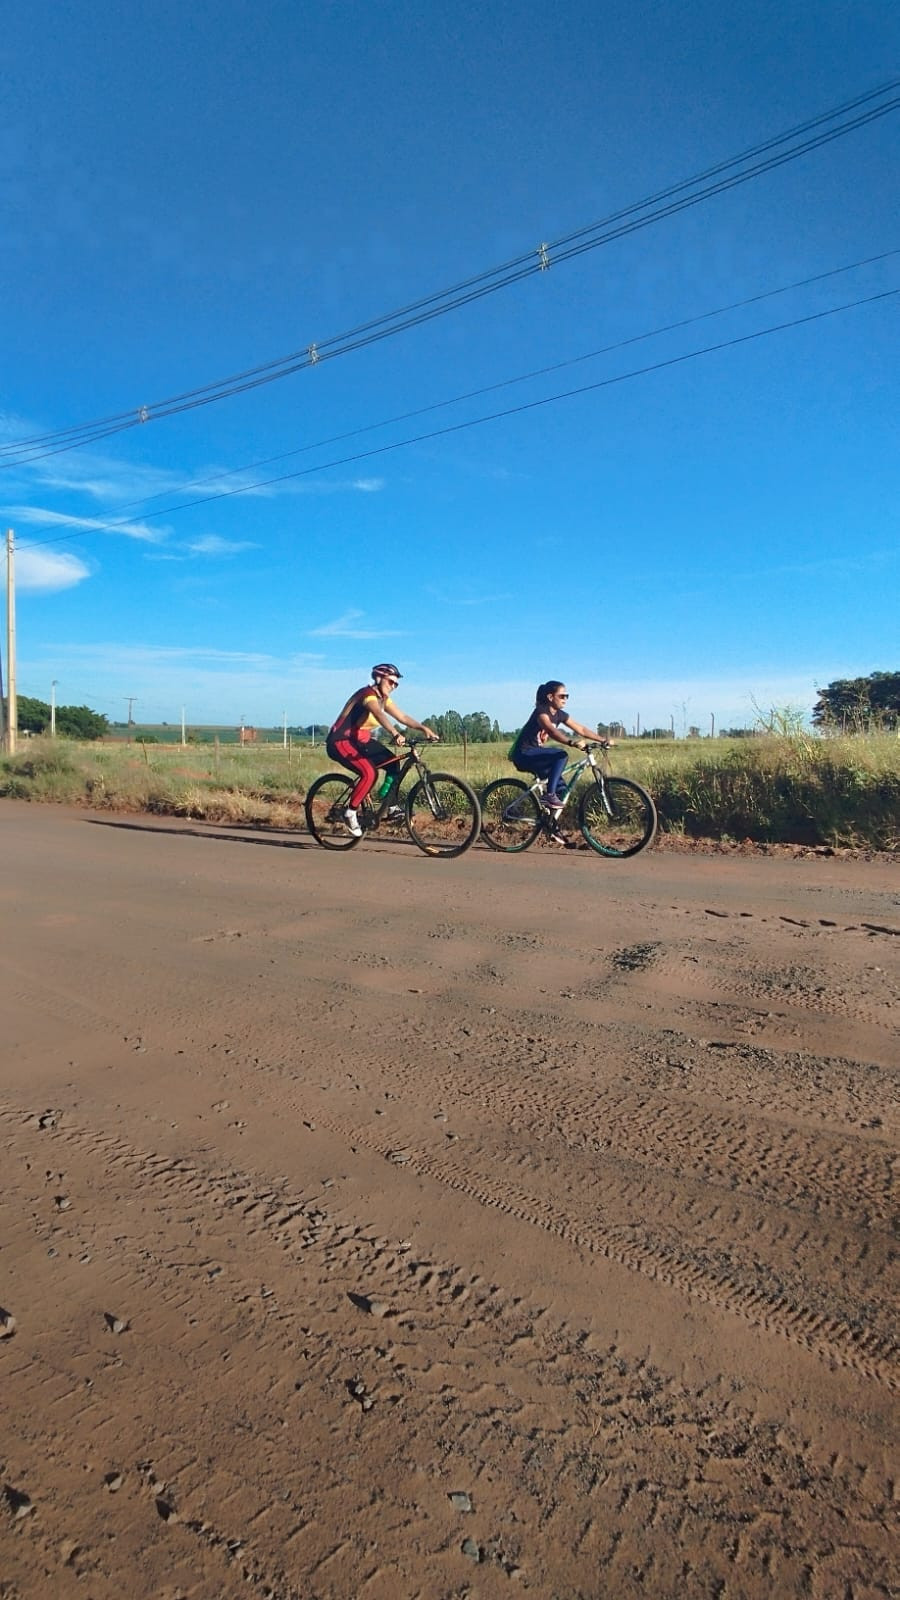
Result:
[{"x": 379, "y": 1227}]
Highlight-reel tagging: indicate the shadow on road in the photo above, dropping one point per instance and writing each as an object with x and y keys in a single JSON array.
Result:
[{"x": 291, "y": 842}]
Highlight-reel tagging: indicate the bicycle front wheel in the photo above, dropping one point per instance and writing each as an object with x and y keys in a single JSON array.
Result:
[
  {"x": 618, "y": 817},
  {"x": 443, "y": 814},
  {"x": 326, "y": 801},
  {"x": 510, "y": 815}
]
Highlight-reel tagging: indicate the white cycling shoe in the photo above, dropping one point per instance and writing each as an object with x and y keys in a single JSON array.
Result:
[{"x": 352, "y": 821}]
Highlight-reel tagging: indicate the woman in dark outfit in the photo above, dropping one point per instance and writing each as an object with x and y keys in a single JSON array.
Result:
[{"x": 536, "y": 748}]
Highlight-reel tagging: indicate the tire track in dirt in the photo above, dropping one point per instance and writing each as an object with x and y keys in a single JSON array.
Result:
[
  {"x": 638, "y": 1456},
  {"x": 834, "y": 1339},
  {"x": 797, "y": 987},
  {"x": 821, "y": 1172}
]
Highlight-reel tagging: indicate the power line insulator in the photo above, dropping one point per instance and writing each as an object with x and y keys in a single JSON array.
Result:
[
  {"x": 313, "y": 353},
  {"x": 544, "y": 257}
]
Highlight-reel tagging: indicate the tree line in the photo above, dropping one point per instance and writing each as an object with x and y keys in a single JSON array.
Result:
[
  {"x": 848, "y": 705},
  {"x": 851, "y": 704},
  {"x": 75, "y": 722}
]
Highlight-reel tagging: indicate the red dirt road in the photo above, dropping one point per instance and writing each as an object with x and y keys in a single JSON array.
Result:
[{"x": 380, "y": 1227}]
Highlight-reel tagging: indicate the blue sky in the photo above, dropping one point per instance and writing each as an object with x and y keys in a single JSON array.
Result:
[{"x": 188, "y": 191}]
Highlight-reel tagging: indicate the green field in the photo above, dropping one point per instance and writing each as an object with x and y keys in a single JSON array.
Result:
[{"x": 796, "y": 788}]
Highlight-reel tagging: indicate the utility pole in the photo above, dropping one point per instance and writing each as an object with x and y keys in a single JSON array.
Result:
[
  {"x": 712, "y": 725},
  {"x": 183, "y": 735},
  {"x": 132, "y": 700},
  {"x": 284, "y": 720},
  {"x": 53, "y": 709},
  {"x": 12, "y": 710}
]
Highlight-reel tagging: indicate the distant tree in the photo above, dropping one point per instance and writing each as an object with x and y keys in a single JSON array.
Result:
[
  {"x": 739, "y": 733},
  {"x": 853, "y": 703},
  {"x": 657, "y": 733},
  {"x": 80, "y": 722},
  {"x": 693, "y": 733},
  {"x": 448, "y": 725},
  {"x": 477, "y": 726},
  {"x": 616, "y": 730},
  {"x": 33, "y": 715}
]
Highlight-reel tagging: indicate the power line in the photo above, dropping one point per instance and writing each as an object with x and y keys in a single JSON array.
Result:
[
  {"x": 473, "y": 422},
  {"x": 667, "y": 202},
  {"x": 525, "y": 377}
]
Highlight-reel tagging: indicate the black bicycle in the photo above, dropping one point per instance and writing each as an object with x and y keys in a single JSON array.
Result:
[
  {"x": 440, "y": 812},
  {"x": 615, "y": 815}
]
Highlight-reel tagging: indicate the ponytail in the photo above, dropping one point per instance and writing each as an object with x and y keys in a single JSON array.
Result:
[{"x": 545, "y": 690}]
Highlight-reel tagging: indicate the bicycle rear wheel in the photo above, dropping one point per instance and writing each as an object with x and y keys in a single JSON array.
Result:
[
  {"x": 510, "y": 815},
  {"x": 618, "y": 818},
  {"x": 442, "y": 814},
  {"x": 326, "y": 801}
]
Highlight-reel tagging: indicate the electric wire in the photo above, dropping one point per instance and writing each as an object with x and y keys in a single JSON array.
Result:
[
  {"x": 473, "y": 422},
  {"x": 439, "y": 303},
  {"x": 525, "y": 377}
]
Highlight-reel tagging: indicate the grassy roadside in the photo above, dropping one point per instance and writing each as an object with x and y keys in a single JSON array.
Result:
[{"x": 792, "y": 789}]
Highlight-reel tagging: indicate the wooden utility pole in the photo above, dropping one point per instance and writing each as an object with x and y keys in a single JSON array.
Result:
[{"x": 12, "y": 710}]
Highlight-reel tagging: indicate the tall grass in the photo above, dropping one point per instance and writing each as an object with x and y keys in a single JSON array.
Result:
[{"x": 785, "y": 786}]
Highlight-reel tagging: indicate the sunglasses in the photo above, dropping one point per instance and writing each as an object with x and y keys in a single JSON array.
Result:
[
  {"x": 561, "y": 697},
  {"x": 392, "y": 682}
]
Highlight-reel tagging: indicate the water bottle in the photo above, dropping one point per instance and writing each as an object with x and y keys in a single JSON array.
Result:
[{"x": 384, "y": 788}]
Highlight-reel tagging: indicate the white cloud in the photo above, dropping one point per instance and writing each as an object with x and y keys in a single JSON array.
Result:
[
  {"x": 344, "y": 628},
  {"x": 47, "y": 571},
  {"x": 211, "y": 544},
  {"x": 41, "y": 517}
]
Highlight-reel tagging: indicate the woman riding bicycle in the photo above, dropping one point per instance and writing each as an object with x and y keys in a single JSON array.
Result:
[
  {"x": 350, "y": 739},
  {"x": 532, "y": 752}
]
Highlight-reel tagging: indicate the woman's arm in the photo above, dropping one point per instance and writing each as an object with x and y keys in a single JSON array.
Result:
[
  {"x": 589, "y": 734},
  {"x": 583, "y": 732}
]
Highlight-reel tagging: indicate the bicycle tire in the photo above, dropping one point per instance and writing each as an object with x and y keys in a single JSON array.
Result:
[
  {"x": 510, "y": 815},
  {"x": 443, "y": 815},
  {"x": 325, "y": 804},
  {"x": 627, "y": 826}
]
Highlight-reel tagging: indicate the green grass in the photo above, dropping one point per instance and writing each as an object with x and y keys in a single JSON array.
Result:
[{"x": 789, "y": 788}]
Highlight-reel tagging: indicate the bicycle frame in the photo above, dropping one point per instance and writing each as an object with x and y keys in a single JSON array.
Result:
[
  {"x": 372, "y": 815},
  {"x": 570, "y": 776}
]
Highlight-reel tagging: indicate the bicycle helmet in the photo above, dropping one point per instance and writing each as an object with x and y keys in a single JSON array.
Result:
[{"x": 386, "y": 667}]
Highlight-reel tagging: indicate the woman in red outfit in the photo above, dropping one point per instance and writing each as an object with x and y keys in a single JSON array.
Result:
[{"x": 350, "y": 737}]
